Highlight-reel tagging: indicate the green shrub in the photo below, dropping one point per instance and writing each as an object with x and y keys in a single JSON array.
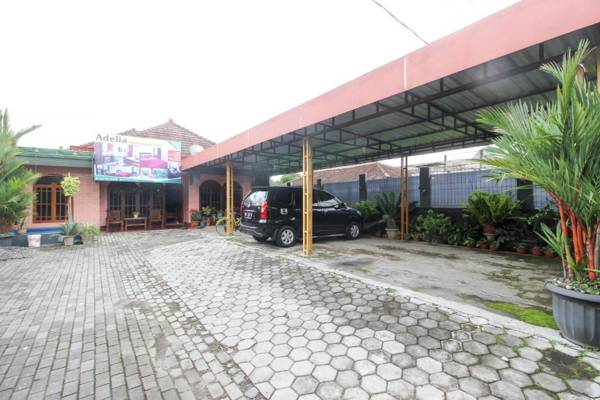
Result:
[
  {"x": 69, "y": 229},
  {"x": 368, "y": 210},
  {"x": 434, "y": 226},
  {"x": 491, "y": 208}
]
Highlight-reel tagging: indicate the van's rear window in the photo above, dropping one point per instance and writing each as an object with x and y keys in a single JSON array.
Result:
[{"x": 255, "y": 198}]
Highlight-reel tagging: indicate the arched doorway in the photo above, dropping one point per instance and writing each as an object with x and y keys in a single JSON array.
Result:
[
  {"x": 50, "y": 202},
  {"x": 210, "y": 195}
]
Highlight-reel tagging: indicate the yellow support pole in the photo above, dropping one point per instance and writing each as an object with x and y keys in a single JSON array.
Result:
[
  {"x": 307, "y": 197},
  {"x": 229, "y": 202}
]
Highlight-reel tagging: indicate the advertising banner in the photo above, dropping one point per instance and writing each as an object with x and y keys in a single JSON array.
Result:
[{"x": 136, "y": 159}]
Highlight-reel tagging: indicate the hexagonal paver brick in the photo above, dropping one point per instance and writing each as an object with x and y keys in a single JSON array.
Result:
[
  {"x": 535, "y": 394},
  {"x": 355, "y": 393},
  {"x": 347, "y": 379},
  {"x": 281, "y": 363},
  {"x": 262, "y": 360},
  {"x": 507, "y": 391},
  {"x": 261, "y": 374},
  {"x": 401, "y": 389},
  {"x": 530, "y": 353},
  {"x": 515, "y": 377},
  {"x": 590, "y": 389},
  {"x": 474, "y": 386},
  {"x": 284, "y": 394},
  {"x": 429, "y": 365},
  {"x": 336, "y": 349},
  {"x": 524, "y": 365},
  {"x": 385, "y": 335},
  {"x": 429, "y": 392},
  {"x": 393, "y": 347},
  {"x": 371, "y": 343},
  {"x": 403, "y": 360},
  {"x": 300, "y": 354},
  {"x": 475, "y": 348},
  {"x": 364, "y": 367},
  {"x": 549, "y": 382},
  {"x": 492, "y": 361},
  {"x": 281, "y": 350},
  {"x": 373, "y": 384},
  {"x": 444, "y": 382},
  {"x": 324, "y": 373},
  {"x": 282, "y": 379},
  {"x": 389, "y": 371},
  {"x": 415, "y": 376},
  {"x": 357, "y": 353},
  {"x": 455, "y": 369},
  {"x": 341, "y": 362},
  {"x": 329, "y": 391},
  {"x": 484, "y": 374},
  {"x": 316, "y": 345},
  {"x": 465, "y": 358},
  {"x": 302, "y": 368},
  {"x": 320, "y": 358},
  {"x": 460, "y": 395},
  {"x": 305, "y": 384}
]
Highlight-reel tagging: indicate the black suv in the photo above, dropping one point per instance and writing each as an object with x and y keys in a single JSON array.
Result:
[{"x": 276, "y": 212}]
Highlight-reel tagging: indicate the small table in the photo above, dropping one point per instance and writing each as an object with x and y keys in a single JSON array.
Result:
[{"x": 134, "y": 222}]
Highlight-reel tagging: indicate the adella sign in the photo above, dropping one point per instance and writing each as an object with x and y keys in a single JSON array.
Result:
[{"x": 136, "y": 159}]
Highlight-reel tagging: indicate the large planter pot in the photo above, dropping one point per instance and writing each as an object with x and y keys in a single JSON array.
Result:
[
  {"x": 577, "y": 314},
  {"x": 392, "y": 233},
  {"x": 193, "y": 224},
  {"x": 489, "y": 231},
  {"x": 68, "y": 240},
  {"x": 34, "y": 240}
]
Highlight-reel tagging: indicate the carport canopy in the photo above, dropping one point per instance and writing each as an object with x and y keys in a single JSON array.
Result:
[{"x": 425, "y": 101}]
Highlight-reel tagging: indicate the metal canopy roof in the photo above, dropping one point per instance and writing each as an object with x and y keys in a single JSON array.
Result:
[{"x": 424, "y": 102}]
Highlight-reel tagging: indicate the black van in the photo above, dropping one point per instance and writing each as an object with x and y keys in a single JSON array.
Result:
[{"x": 276, "y": 212}]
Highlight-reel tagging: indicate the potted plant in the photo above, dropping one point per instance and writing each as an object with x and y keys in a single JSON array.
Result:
[
  {"x": 470, "y": 242},
  {"x": 387, "y": 207},
  {"x": 490, "y": 210},
  {"x": 433, "y": 226},
  {"x": 22, "y": 229},
  {"x": 89, "y": 232},
  {"x": 69, "y": 231},
  {"x": 536, "y": 251},
  {"x": 206, "y": 212},
  {"x": 548, "y": 252},
  {"x": 136, "y": 214},
  {"x": 195, "y": 218},
  {"x": 555, "y": 146},
  {"x": 15, "y": 180},
  {"x": 521, "y": 248},
  {"x": 483, "y": 243},
  {"x": 70, "y": 186}
]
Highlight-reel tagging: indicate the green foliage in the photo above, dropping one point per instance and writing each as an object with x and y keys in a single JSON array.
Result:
[
  {"x": 584, "y": 285},
  {"x": 386, "y": 204},
  {"x": 285, "y": 179},
  {"x": 70, "y": 185},
  {"x": 368, "y": 210},
  {"x": 491, "y": 208},
  {"x": 469, "y": 242},
  {"x": 546, "y": 215},
  {"x": 89, "y": 230},
  {"x": 195, "y": 215},
  {"x": 531, "y": 315},
  {"x": 15, "y": 198},
  {"x": 433, "y": 226},
  {"x": 555, "y": 145},
  {"x": 70, "y": 229}
]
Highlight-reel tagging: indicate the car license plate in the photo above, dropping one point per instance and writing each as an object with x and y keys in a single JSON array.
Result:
[{"x": 248, "y": 214}]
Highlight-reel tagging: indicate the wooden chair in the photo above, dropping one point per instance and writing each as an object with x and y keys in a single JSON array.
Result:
[
  {"x": 156, "y": 215},
  {"x": 114, "y": 217}
]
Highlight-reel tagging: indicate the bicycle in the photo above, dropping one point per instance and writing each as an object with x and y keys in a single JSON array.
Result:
[{"x": 221, "y": 225}]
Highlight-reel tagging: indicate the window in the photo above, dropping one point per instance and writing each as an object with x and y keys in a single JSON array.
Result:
[
  {"x": 326, "y": 200},
  {"x": 210, "y": 195},
  {"x": 283, "y": 196},
  {"x": 50, "y": 204}
]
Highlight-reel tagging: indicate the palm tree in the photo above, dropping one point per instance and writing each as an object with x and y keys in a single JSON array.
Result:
[
  {"x": 556, "y": 145},
  {"x": 15, "y": 198}
]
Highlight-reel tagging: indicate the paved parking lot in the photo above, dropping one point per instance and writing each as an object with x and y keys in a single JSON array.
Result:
[{"x": 186, "y": 314}]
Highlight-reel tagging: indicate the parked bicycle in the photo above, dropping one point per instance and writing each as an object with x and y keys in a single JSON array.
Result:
[{"x": 221, "y": 225}]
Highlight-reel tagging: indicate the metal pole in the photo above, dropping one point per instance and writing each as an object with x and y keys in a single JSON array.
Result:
[
  {"x": 307, "y": 200},
  {"x": 229, "y": 195},
  {"x": 404, "y": 198}
]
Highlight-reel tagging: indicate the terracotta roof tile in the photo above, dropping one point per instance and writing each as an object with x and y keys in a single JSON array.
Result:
[{"x": 170, "y": 131}]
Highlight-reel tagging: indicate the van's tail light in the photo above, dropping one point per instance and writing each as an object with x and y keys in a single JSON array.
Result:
[{"x": 264, "y": 211}]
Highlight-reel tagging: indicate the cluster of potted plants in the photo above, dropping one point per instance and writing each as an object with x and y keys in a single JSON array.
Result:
[
  {"x": 555, "y": 145},
  {"x": 380, "y": 217}
]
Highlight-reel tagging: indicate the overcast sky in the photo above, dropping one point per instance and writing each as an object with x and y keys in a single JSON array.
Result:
[{"x": 216, "y": 67}]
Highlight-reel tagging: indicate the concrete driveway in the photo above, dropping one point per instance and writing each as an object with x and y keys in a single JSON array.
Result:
[{"x": 187, "y": 314}]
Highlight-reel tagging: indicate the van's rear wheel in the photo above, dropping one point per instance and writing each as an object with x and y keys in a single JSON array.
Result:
[
  {"x": 352, "y": 231},
  {"x": 260, "y": 238},
  {"x": 286, "y": 236}
]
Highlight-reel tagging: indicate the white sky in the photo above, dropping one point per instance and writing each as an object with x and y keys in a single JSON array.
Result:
[{"x": 216, "y": 67}]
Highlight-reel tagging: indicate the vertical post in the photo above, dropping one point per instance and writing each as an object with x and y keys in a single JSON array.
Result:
[
  {"x": 404, "y": 198},
  {"x": 307, "y": 200},
  {"x": 229, "y": 201},
  {"x": 424, "y": 188},
  {"x": 319, "y": 184},
  {"x": 525, "y": 194},
  {"x": 362, "y": 187}
]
